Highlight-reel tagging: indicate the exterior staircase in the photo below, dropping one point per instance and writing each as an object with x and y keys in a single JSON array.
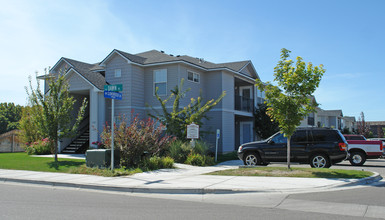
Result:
[{"x": 79, "y": 145}]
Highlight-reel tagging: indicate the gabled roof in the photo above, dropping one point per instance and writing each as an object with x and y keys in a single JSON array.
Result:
[
  {"x": 91, "y": 72},
  {"x": 88, "y": 71},
  {"x": 157, "y": 57}
]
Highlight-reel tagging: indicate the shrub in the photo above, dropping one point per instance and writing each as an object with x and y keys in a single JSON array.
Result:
[
  {"x": 201, "y": 147},
  {"x": 179, "y": 151},
  {"x": 135, "y": 138},
  {"x": 40, "y": 147},
  {"x": 195, "y": 159},
  {"x": 156, "y": 163}
]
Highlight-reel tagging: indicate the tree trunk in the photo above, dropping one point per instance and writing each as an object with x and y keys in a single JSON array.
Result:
[
  {"x": 56, "y": 149},
  {"x": 288, "y": 152}
]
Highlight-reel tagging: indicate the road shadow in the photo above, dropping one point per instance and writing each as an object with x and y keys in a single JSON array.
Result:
[{"x": 57, "y": 165}]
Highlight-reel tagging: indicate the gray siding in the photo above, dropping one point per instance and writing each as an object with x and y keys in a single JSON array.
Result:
[
  {"x": 212, "y": 82},
  {"x": 137, "y": 89},
  {"x": 172, "y": 81},
  {"x": 228, "y": 86},
  {"x": 228, "y": 131},
  {"x": 77, "y": 83},
  {"x": 117, "y": 62}
]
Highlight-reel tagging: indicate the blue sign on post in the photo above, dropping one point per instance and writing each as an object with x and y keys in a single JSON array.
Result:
[{"x": 113, "y": 95}]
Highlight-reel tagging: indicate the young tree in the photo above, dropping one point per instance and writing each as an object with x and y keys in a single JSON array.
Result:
[
  {"x": 55, "y": 119},
  {"x": 178, "y": 118},
  {"x": 362, "y": 127},
  {"x": 289, "y": 102},
  {"x": 264, "y": 126}
]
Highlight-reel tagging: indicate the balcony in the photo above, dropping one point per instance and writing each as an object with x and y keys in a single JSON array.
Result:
[{"x": 244, "y": 104}]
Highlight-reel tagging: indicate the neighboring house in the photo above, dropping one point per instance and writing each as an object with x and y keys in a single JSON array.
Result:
[
  {"x": 329, "y": 118},
  {"x": 141, "y": 73},
  {"x": 9, "y": 142},
  {"x": 349, "y": 123},
  {"x": 326, "y": 118}
]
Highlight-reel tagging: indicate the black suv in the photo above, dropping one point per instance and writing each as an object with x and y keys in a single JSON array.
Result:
[{"x": 319, "y": 147}]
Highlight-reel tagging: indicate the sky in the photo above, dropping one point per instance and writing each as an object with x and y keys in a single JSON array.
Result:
[{"x": 347, "y": 37}]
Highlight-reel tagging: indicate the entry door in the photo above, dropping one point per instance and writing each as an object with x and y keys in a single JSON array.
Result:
[{"x": 246, "y": 131}]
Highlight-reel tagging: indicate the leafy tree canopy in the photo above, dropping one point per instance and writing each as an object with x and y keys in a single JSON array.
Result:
[
  {"x": 10, "y": 114},
  {"x": 290, "y": 101}
]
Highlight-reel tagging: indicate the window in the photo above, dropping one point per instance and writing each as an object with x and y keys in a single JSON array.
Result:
[
  {"x": 299, "y": 136},
  {"x": 118, "y": 72},
  {"x": 325, "y": 136},
  {"x": 193, "y": 76},
  {"x": 160, "y": 81},
  {"x": 279, "y": 139}
]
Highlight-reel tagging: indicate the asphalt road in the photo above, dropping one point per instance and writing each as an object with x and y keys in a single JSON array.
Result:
[
  {"x": 23, "y": 201},
  {"x": 31, "y": 202}
]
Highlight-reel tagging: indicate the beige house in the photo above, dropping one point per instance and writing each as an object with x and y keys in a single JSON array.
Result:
[{"x": 9, "y": 142}]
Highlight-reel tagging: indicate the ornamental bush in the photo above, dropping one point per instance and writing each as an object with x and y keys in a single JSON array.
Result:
[
  {"x": 137, "y": 139},
  {"x": 40, "y": 147}
]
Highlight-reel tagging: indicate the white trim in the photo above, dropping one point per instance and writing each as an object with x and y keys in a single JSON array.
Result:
[
  {"x": 241, "y": 88},
  {"x": 58, "y": 62},
  {"x": 241, "y": 130},
  {"x": 194, "y": 73},
  {"x": 153, "y": 82},
  {"x": 110, "y": 55}
]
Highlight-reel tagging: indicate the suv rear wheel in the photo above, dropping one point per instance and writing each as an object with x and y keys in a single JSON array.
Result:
[
  {"x": 320, "y": 161},
  {"x": 252, "y": 159}
]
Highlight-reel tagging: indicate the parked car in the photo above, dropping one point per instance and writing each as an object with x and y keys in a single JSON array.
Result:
[
  {"x": 319, "y": 147},
  {"x": 361, "y": 149}
]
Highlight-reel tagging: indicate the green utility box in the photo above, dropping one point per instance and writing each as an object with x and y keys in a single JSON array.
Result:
[{"x": 101, "y": 158}]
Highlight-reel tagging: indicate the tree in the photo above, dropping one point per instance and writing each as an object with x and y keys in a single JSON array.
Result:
[
  {"x": 10, "y": 114},
  {"x": 54, "y": 121},
  {"x": 363, "y": 128},
  {"x": 290, "y": 101},
  {"x": 178, "y": 118},
  {"x": 27, "y": 125},
  {"x": 264, "y": 126}
]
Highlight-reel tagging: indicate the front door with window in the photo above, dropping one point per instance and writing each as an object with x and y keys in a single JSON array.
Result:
[{"x": 246, "y": 132}]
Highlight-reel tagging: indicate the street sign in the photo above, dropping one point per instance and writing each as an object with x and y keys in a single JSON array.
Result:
[
  {"x": 193, "y": 131},
  {"x": 113, "y": 88},
  {"x": 113, "y": 95}
]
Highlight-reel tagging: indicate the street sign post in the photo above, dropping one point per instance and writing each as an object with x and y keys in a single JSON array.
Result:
[
  {"x": 112, "y": 92},
  {"x": 216, "y": 144}
]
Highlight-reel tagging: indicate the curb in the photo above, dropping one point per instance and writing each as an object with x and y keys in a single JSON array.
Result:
[{"x": 199, "y": 191}]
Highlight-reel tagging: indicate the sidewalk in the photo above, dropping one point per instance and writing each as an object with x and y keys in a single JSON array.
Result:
[{"x": 184, "y": 180}]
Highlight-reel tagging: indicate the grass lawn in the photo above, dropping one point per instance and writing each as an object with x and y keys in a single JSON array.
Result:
[
  {"x": 295, "y": 172},
  {"x": 23, "y": 161}
]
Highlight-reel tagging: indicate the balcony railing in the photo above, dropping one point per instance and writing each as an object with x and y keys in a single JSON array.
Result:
[{"x": 244, "y": 104}]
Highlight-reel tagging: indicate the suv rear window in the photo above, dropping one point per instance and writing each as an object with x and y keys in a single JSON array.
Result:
[
  {"x": 299, "y": 136},
  {"x": 325, "y": 136}
]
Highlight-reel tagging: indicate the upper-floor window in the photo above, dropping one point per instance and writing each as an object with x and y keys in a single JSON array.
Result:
[
  {"x": 193, "y": 76},
  {"x": 160, "y": 81},
  {"x": 118, "y": 72}
]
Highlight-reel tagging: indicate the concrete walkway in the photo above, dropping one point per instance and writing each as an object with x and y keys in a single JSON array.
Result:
[{"x": 184, "y": 180}]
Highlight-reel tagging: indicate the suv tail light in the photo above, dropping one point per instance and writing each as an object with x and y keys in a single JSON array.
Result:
[
  {"x": 382, "y": 146},
  {"x": 343, "y": 146}
]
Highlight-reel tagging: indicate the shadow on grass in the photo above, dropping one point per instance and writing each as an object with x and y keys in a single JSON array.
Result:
[{"x": 61, "y": 164}]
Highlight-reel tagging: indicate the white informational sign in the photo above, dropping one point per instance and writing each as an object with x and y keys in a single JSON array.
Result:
[{"x": 192, "y": 131}]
